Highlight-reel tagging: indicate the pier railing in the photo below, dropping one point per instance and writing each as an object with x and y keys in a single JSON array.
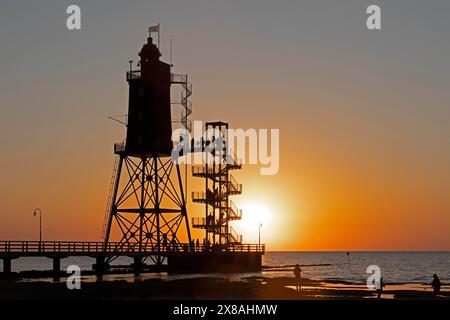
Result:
[
  {"x": 56, "y": 247},
  {"x": 45, "y": 248}
]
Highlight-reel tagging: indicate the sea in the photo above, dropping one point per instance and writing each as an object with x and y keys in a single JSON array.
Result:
[{"x": 395, "y": 267}]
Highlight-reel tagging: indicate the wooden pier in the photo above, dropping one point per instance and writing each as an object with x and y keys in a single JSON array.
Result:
[{"x": 180, "y": 257}]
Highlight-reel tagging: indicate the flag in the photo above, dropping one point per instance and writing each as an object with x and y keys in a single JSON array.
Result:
[{"x": 154, "y": 28}]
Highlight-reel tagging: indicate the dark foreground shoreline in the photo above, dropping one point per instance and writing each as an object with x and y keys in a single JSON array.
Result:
[{"x": 26, "y": 286}]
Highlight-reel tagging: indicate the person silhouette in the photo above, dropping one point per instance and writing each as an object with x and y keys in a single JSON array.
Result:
[
  {"x": 380, "y": 287},
  {"x": 436, "y": 285},
  {"x": 298, "y": 277},
  {"x": 164, "y": 242},
  {"x": 173, "y": 242}
]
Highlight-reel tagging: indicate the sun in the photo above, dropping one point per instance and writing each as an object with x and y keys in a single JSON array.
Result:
[{"x": 255, "y": 215}]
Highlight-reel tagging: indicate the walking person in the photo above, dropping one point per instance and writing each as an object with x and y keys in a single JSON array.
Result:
[
  {"x": 298, "y": 277},
  {"x": 436, "y": 285},
  {"x": 380, "y": 287}
]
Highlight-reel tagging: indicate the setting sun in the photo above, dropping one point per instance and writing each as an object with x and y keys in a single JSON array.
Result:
[{"x": 254, "y": 214}]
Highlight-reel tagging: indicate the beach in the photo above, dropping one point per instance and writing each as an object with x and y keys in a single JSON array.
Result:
[
  {"x": 205, "y": 288},
  {"x": 325, "y": 275}
]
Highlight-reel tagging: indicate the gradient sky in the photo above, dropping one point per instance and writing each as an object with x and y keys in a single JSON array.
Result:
[{"x": 364, "y": 116}]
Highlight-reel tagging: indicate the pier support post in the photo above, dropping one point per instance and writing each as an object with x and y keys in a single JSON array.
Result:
[
  {"x": 100, "y": 265},
  {"x": 137, "y": 265},
  {"x": 6, "y": 265},
  {"x": 56, "y": 266}
]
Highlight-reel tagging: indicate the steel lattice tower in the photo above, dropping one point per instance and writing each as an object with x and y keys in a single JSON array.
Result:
[
  {"x": 219, "y": 186},
  {"x": 146, "y": 208}
]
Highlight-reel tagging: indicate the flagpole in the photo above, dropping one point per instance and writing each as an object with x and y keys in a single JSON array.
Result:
[
  {"x": 159, "y": 37},
  {"x": 171, "y": 44}
]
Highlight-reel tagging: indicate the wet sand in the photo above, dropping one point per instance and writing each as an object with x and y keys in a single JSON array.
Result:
[{"x": 250, "y": 288}]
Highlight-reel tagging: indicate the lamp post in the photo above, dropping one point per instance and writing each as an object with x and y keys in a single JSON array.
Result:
[
  {"x": 259, "y": 235},
  {"x": 39, "y": 211}
]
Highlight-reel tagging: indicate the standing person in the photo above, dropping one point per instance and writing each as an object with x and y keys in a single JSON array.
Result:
[
  {"x": 174, "y": 243},
  {"x": 436, "y": 285},
  {"x": 298, "y": 276},
  {"x": 164, "y": 242},
  {"x": 380, "y": 288}
]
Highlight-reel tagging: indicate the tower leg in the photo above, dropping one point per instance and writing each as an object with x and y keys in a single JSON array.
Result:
[
  {"x": 113, "y": 208},
  {"x": 183, "y": 200}
]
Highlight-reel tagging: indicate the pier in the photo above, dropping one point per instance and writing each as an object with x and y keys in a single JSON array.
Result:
[{"x": 181, "y": 257}]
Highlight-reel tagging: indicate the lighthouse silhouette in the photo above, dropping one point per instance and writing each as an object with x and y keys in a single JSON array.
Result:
[
  {"x": 149, "y": 119},
  {"x": 146, "y": 208}
]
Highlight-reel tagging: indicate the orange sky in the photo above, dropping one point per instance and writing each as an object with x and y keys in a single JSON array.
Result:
[{"x": 363, "y": 118}]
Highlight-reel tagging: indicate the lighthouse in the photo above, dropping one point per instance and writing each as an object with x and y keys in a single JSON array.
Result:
[
  {"x": 149, "y": 126},
  {"x": 146, "y": 208}
]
